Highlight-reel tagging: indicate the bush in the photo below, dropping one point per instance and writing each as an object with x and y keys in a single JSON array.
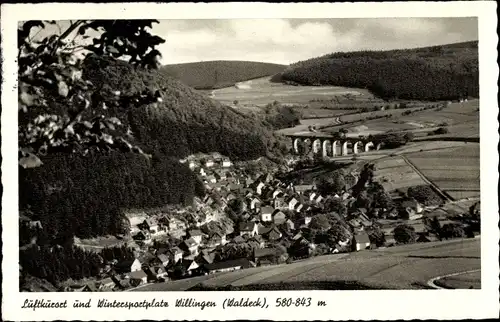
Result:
[
  {"x": 425, "y": 195},
  {"x": 441, "y": 130},
  {"x": 404, "y": 234},
  {"x": 453, "y": 230}
]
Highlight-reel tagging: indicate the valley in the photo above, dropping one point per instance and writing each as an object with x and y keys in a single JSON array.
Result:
[{"x": 253, "y": 176}]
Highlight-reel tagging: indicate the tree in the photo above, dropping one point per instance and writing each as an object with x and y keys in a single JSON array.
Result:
[
  {"x": 453, "y": 230},
  {"x": 404, "y": 234},
  {"x": 335, "y": 205},
  {"x": 424, "y": 194},
  {"x": 442, "y": 130},
  {"x": 319, "y": 222},
  {"x": 363, "y": 200},
  {"x": 475, "y": 210},
  {"x": 61, "y": 111},
  {"x": 335, "y": 183},
  {"x": 237, "y": 205},
  {"x": 409, "y": 136},
  {"x": 377, "y": 236},
  {"x": 381, "y": 198}
]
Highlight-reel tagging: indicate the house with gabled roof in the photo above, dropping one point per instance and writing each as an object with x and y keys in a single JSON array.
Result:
[
  {"x": 318, "y": 198},
  {"x": 220, "y": 175},
  {"x": 310, "y": 195},
  {"x": 209, "y": 163},
  {"x": 210, "y": 179},
  {"x": 227, "y": 266},
  {"x": 215, "y": 239},
  {"x": 195, "y": 234},
  {"x": 278, "y": 217},
  {"x": 164, "y": 260},
  {"x": 226, "y": 163},
  {"x": 142, "y": 236},
  {"x": 304, "y": 221},
  {"x": 259, "y": 240},
  {"x": 156, "y": 272},
  {"x": 267, "y": 177},
  {"x": 290, "y": 224},
  {"x": 280, "y": 203},
  {"x": 266, "y": 213},
  {"x": 138, "y": 277},
  {"x": 150, "y": 224},
  {"x": 277, "y": 193},
  {"x": 248, "y": 228},
  {"x": 265, "y": 256},
  {"x": 361, "y": 241},
  {"x": 292, "y": 203},
  {"x": 270, "y": 233},
  {"x": 248, "y": 182},
  {"x": 190, "y": 245},
  {"x": 253, "y": 203},
  {"x": 302, "y": 188},
  {"x": 230, "y": 196},
  {"x": 258, "y": 187},
  {"x": 238, "y": 239},
  {"x": 106, "y": 284},
  {"x": 190, "y": 265},
  {"x": 175, "y": 254}
]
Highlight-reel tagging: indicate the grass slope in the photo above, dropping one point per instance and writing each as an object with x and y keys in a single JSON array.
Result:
[
  {"x": 218, "y": 74},
  {"x": 429, "y": 73}
]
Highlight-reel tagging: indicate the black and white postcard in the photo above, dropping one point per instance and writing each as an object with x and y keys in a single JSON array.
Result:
[{"x": 251, "y": 161}]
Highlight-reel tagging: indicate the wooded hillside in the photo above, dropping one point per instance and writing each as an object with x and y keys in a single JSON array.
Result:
[
  {"x": 431, "y": 73},
  {"x": 218, "y": 74}
]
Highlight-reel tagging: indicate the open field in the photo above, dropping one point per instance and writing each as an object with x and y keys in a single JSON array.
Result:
[
  {"x": 400, "y": 267},
  {"x": 461, "y": 119},
  {"x": 395, "y": 174},
  {"x": 454, "y": 170},
  {"x": 452, "y": 166},
  {"x": 262, "y": 91},
  {"x": 463, "y": 281}
]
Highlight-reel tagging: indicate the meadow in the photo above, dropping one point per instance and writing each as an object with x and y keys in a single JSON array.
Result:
[
  {"x": 382, "y": 268},
  {"x": 454, "y": 170},
  {"x": 395, "y": 174},
  {"x": 262, "y": 91}
]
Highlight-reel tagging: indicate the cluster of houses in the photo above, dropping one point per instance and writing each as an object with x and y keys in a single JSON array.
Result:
[{"x": 268, "y": 212}]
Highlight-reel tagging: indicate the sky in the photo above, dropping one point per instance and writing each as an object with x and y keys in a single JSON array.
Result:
[{"x": 286, "y": 41}]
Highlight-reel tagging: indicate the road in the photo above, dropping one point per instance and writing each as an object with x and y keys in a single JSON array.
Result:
[
  {"x": 400, "y": 267},
  {"x": 432, "y": 281}
]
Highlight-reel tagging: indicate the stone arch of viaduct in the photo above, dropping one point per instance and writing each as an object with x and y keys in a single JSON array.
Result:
[{"x": 335, "y": 147}]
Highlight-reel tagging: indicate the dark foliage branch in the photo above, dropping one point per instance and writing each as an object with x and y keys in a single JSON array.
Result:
[{"x": 59, "y": 110}]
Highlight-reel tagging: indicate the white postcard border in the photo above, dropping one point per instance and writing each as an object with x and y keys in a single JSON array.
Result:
[{"x": 343, "y": 305}]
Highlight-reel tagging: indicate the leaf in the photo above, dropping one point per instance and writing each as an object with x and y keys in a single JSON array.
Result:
[
  {"x": 115, "y": 120},
  {"x": 62, "y": 89},
  {"x": 69, "y": 130},
  {"x": 26, "y": 99},
  {"x": 31, "y": 24},
  {"x": 30, "y": 161},
  {"x": 112, "y": 49},
  {"x": 107, "y": 138}
]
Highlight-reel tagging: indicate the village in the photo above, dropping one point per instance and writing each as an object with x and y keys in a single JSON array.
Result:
[{"x": 247, "y": 221}]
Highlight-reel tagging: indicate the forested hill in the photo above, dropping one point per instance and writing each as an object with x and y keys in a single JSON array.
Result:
[
  {"x": 185, "y": 122},
  {"x": 80, "y": 195},
  {"x": 218, "y": 74},
  {"x": 430, "y": 73}
]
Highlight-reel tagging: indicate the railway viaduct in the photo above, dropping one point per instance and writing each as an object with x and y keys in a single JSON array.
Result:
[{"x": 330, "y": 146}]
